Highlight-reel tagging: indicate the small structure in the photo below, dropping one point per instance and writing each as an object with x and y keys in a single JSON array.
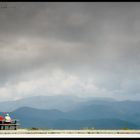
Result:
[{"x": 11, "y": 126}]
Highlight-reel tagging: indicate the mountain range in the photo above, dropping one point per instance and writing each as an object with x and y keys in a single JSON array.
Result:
[{"x": 75, "y": 113}]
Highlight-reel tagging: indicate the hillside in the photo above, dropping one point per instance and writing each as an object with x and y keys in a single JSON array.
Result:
[
  {"x": 31, "y": 117},
  {"x": 72, "y": 112}
]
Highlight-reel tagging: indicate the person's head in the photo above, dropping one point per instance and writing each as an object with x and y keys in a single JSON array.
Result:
[{"x": 7, "y": 114}]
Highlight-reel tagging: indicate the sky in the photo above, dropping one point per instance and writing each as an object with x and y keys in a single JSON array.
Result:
[{"x": 87, "y": 49}]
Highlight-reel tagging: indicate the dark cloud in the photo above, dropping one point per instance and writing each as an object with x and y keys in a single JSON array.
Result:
[{"x": 97, "y": 40}]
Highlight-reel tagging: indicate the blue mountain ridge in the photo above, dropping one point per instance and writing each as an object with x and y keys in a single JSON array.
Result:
[{"x": 95, "y": 113}]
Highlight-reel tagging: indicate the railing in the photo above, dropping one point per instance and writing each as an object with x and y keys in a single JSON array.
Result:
[{"x": 9, "y": 126}]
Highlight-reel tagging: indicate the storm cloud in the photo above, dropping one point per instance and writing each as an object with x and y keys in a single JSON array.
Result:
[{"x": 87, "y": 49}]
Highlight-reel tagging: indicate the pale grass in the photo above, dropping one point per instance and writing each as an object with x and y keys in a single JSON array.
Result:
[{"x": 96, "y": 131}]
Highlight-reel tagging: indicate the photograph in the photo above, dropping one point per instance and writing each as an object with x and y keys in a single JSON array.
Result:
[{"x": 69, "y": 69}]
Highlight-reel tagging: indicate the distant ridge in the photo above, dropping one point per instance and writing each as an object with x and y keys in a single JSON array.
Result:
[
  {"x": 60, "y": 102},
  {"x": 68, "y": 112},
  {"x": 55, "y": 119}
]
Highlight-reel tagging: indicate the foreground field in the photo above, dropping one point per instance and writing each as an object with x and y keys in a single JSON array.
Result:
[
  {"x": 26, "y": 131},
  {"x": 69, "y": 133}
]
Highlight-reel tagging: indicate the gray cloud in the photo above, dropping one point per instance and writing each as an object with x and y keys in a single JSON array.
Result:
[{"x": 97, "y": 43}]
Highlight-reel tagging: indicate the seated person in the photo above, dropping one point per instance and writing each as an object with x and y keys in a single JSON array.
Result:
[
  {"x": 1, "y": 121},
  {"x": 7, "y": 119}
]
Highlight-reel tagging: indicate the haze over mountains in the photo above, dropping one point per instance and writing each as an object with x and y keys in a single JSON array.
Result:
[
  {"x": 61, "y": 102},
  {"x": 71, "y": 112}
]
